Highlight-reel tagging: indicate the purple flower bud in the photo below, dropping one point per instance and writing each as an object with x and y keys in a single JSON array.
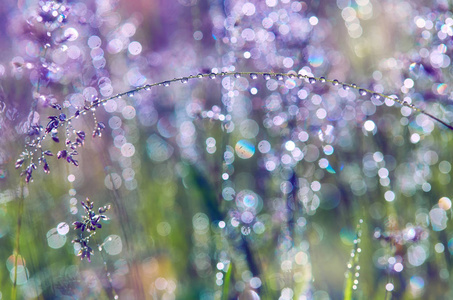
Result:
[
  {"x": 19, "y": 162},
  {"x": 27, "y": 174},
  {"x": 34, "y": 130},
  {"x": 69, "y": 159},
  {"x": 55, "y": 138},
  {"x": 103, "y": 209},
  {"x": 81, "y": 135},
  {"x": 62, "y": 154},
  {"x": 77, "y": 225},
  {"x": 53, "y": 123},
  {"x": 56, "y": 106},
  {"x": 89, "y": 252},
  {"x": 46, "y": 167}
]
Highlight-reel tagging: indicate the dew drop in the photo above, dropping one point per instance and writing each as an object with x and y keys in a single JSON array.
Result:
[
  {"x": 166, "y": 83},
  {"x": 345, "y": 86},
  {"x": 322, "y": 79},
  {"x": 312, "y": 80},
  {"x": 237, "y": 75},
  {"x": 354, "y": 86},
  {"x": 184, "y": 80},
  {"x": 279, "y": 76},
  {"x": 130, "y": 94},
  {"x": 147, "y": 88},
  {"x": 253, "y": 75},
  {"x": 362, "y": 92},
  {"x": 200, "y": 75},
  {"x": 376, "y": 96},
  {"x": 335, "y": 82},
  {"x": 212, "y": 75},
  {"x": 267, "y": 76}
]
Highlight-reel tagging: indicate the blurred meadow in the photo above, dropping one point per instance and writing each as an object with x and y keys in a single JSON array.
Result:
[{"x": 237, "y": 149}]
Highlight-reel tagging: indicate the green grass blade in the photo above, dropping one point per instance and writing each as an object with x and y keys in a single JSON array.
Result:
[
  {"x": 226, "y": 285},
  {"x": 348, "y": 288}
]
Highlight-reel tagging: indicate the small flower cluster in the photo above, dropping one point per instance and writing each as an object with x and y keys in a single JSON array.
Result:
[
  {"x": 90, "y": 222},
  {"x": 74, "y": 139}
]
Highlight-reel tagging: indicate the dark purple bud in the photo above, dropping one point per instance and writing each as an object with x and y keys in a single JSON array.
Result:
[
  {"x": 96, "y": 133},
  {"x": 28, "y": 176},
  {"x": 62, "y": 117},
  {"x": 77, "y": 225},
  {"x": 56, "y": 106},
  {"x": 89, "y": 203},
  {"x": 53, "y": 123},
  {"x": 55, "y": 138},
  {"x": 46, "y": 167},
  {"x": 75, "y": 162},
  {"x": 88, "y": 253},
  {"x": 84, "y": 205},
  {"x": 19, "y": 162},
  {"x": 62, "y": 154},
  {"x": 81, "y": 134},
  {"x": 34, "y": 130},
  {"x": 103, "y": 209},
  {"x": 48, "y": 153}
]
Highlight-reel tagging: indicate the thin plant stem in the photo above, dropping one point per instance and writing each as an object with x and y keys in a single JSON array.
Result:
[
  {"x": 20, "y": 210},
  {"x": 278, "y": 75}
]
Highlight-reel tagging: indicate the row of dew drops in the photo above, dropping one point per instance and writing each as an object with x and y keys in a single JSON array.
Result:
[
  {"x": 375, "y": 96},
  {"x": 267, "y": 76}
]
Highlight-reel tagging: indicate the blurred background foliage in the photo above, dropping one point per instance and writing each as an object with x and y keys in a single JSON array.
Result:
[{"x": 229, "y": 188}]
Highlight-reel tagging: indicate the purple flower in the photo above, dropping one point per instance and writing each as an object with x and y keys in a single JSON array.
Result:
[{"x": 89, "y": 223}]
